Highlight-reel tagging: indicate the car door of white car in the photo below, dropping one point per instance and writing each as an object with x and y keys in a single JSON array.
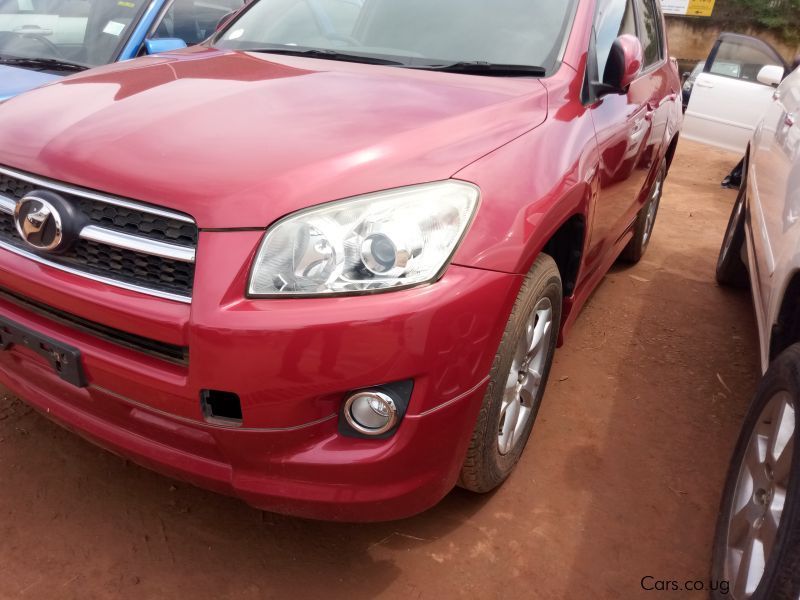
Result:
[
  {"x": 774, "y": 198},
  {"x": 732, "y": 93}
]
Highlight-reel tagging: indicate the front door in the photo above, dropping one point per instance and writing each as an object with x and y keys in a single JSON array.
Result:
[
  {"x": 623, "y": 126},
  {"x": 728, "y": 99},
  {"x": 774, "y": 185}
]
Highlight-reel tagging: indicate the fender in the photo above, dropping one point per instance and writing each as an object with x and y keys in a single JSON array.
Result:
[{"x": 534, "y": 184}]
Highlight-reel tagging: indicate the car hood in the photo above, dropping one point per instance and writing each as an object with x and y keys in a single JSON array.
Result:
[
  {"x": 240, "y": 139},
  {"x": 14, "y": 80}
]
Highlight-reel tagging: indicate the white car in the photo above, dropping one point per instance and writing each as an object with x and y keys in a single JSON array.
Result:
[
  {"x": 733, "y": 92},
  {"x": 757, "y": 547}
]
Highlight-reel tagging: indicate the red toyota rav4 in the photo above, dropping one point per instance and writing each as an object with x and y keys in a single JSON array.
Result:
[{"x": 322, "y": 261}]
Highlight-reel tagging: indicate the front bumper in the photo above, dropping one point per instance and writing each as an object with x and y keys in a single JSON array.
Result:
[{"x": 291, "y": 362}]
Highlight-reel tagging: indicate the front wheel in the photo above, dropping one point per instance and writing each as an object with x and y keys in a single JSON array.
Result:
[
  {"x": 517, "y": 380},
  {"x": 757, "y": 544}
]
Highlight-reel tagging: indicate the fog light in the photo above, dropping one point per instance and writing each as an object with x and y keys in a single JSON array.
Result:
[{"x": 370, "y": 413}]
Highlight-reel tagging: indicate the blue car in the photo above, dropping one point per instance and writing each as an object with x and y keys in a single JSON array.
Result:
[{"x": 44, "y": 40}]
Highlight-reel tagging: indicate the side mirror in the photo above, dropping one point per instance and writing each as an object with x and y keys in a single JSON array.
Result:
[
  {"x": 685, "y": 76},
  {"x": 771, "y": 75},
  {"x": 624, "y": 65},
  {"x": 159, "y": 45}
]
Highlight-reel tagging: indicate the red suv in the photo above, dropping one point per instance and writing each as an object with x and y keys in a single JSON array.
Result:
[{"x": 322, "y": 261}]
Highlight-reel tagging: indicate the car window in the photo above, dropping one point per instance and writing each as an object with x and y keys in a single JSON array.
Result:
[
  {"x": 741, "y": 58},
  {"x": 727, "y": 69},
  {"x": 412, "y": 32},
  {"x": 86, "y": 32},
  {"x": 614, "y": 18},
  {"x": 194, "y": 20},
  {"x": 650, "y": 32}
]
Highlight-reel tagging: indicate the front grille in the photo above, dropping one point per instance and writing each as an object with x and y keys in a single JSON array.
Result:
[
  {"x": 119, "y": 218},
  {"x": 111, "y": 216},
  {"x": 121, "y": 222},
  {"x": 14, "y": 188},
  {"x": 125, "y": 266}
]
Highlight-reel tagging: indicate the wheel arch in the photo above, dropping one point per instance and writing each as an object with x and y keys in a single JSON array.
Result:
[
  {"x": 563, "y": 236},
  {"x": 671, "y": 150},
  {"x": 786, "y": 330},
  {"x": 566, "y": 247}
]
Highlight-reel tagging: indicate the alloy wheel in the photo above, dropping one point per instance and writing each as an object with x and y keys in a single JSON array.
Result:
[
  {"x": 525, "y": 378},
  {"x": 760, "y": 496}
]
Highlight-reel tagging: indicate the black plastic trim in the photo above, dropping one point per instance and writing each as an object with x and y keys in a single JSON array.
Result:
[
  {"x": 221, "y": 408},
  {"x": 175, "y": 354}
]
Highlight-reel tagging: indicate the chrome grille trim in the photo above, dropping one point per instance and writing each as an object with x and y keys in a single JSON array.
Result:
[
  {"x": 76, "y": 191},
  {"x": 113, "y": 282},
  {"x": 121, "y": 240},
  {"x": 7, "y": 204},
  {"x": 137, "y": 243}
]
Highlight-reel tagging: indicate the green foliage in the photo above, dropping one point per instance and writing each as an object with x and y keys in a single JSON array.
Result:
[{"x": 779, "y": 16}]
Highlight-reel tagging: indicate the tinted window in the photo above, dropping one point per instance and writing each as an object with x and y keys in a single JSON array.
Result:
[
  {"x": 742, "y": 59},
  {"x": 650, "y": 32},
  {"x": 522, "y": 32},
  {"x": 614, "y": 18}
]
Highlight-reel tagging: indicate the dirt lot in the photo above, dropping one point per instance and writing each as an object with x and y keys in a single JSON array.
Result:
[{"x": 621, "y": 479}]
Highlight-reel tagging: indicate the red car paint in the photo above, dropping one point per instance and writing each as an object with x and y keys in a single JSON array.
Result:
[{"x": 240, "y": 140}]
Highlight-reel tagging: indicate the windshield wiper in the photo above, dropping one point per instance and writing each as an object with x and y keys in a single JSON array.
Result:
[
  {"x": 43, "y": 63},
  {"x": 486, "y": 68},
  {"x": 328, "y": 55}
]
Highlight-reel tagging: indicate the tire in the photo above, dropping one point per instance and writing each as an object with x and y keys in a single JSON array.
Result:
[
  {"x": 646, "y": 219},
  {"x": 513, "y": 398},
  {"x": 731, "y": 270},
  {"x": 753, "y": 497}
]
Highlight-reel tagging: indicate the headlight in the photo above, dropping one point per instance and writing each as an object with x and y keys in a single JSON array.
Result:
[{"x": 376, "y": 242}]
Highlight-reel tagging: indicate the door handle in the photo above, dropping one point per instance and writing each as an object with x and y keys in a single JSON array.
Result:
[{"x": 704, "y": 84}]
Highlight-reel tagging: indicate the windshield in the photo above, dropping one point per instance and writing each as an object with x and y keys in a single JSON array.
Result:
[
  {"x": 411, "y": 32},
  {"x": 84, "y": 32}
]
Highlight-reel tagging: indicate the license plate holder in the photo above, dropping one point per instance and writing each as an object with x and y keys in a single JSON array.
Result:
[{"x": 65, "y": 359}]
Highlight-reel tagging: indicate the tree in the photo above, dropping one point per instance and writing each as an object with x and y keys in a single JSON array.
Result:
[{"x": 780, "y": 16}]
